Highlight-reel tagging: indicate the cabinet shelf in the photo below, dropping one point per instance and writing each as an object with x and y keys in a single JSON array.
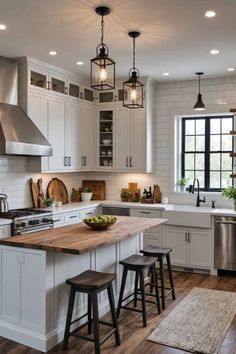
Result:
[
  {"x": 106, "y": 120},
  {"x": 106, "y": 132}
]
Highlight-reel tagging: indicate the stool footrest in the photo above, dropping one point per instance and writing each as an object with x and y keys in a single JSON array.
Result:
[{"x": 78, "y": 319}]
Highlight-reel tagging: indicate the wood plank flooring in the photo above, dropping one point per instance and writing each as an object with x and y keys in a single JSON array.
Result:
[{"x": 134, "y": 335}]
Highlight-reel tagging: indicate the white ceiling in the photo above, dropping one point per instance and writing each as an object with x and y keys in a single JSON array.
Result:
[{"x": 176, "y": 37}]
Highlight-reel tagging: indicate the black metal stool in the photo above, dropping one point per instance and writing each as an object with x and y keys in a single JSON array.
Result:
[
  {"x": 138, "y": 264},
  {"x": 160, "y": 253},
  {"x": 91, "y": 283}
]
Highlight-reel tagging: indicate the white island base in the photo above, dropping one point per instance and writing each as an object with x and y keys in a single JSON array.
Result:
[{"x": 34, "y": 296}]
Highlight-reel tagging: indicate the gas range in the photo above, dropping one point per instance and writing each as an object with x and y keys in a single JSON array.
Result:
[{"x": 28, "y": 220}]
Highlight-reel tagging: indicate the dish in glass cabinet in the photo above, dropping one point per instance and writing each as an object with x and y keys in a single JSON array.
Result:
[{"x": 100, "y": 222}]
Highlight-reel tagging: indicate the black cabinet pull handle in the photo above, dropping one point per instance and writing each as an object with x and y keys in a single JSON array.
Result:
[
  {"x": 145, "y": 212},
  {"x": 127, "y": 162},
  {"x": 56, "y": 220},
  {"x": 186, "y": 237},
  {"x": 189, "y": 237},
  {"x": 130, "y": 162},
  {"x": 73, "y": 216}
]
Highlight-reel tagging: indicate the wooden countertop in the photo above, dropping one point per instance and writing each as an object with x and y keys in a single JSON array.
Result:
[{"x": 79, "y": 238}]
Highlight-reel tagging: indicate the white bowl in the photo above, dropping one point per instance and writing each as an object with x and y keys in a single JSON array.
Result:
[{"x": 107, "y": 142}]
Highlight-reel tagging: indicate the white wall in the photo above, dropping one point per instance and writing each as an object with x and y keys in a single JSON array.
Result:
[{"x": 172, "y": 99}]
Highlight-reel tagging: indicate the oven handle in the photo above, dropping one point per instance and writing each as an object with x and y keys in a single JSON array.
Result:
[
  {"x": 226, "y": 222},
  {"x": 34, "y": 230}
]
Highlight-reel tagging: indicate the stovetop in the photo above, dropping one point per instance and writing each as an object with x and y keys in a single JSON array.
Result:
[{"x": 22, "y": 213}]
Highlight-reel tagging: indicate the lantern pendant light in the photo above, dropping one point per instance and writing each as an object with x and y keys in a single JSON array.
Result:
[
  {"x": 199, "y": 105},
  {"x": 133, "y": 87},
  {"x": 102, "y": 73}
]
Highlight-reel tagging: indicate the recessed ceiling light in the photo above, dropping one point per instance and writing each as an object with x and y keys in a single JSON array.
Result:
[
  {"x": 166, "y": 74},
  {"x": 52, "y": 52},
  {"x": 210, "y": 13},
  {"x": 214, "y": 51},
  {"x": 80, "y": 63},
  {"x": 3, "y": 27},
  {"x": 230, "y": 69}
]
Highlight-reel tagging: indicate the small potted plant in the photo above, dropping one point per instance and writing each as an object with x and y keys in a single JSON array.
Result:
[
  {"x": 230, "y": 193},
  {"x": 182, "y": 183},
  {"x": 125, "y": 195},
  {"x": 86, "y": 195}
]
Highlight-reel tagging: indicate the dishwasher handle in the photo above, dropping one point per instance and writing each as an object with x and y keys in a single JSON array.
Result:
[{"x": 226, "y": 222}]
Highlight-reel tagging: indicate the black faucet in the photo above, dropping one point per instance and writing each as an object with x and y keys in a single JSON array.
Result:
[{"x": 198, "y": 195}]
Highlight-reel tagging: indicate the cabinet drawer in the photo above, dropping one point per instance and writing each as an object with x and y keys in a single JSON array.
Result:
[
  {"x": 5, "y": 231},
  {"x": 146, "y": 213},
  {"x": 72, "y": 218},
  {"x": 58, "y": 220},
  {"x": 87, "y": 213},
  {"x": 152, "y": 240}
]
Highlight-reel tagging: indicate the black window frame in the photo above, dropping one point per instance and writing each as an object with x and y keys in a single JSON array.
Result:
[{"x": 207, "y": 151}]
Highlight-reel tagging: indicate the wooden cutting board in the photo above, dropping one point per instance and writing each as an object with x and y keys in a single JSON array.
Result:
[
  {"x": 97, "y": 188},
  {"x": 34, "y": 192},
  {"x": 57, "y": 190}
]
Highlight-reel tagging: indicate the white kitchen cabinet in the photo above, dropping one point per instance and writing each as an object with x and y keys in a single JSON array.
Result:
[
  {"x": 73, "y": 151},
  {"x": 152, "y": 239},
  {"x": 87, "y": 136},
  {"x": 5, "y": 231},
  {"x": 58, "y": 220},
  {"x": 122, "y": 132},
  {"x": 72, "y": 218},
  {"x": 190, "y": 246}
]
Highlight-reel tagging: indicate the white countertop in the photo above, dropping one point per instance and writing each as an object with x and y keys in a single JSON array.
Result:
[{"x": 70, "y": 207}]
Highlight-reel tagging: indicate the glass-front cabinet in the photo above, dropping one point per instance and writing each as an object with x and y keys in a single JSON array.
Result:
[{"x": 106, "y": 120}]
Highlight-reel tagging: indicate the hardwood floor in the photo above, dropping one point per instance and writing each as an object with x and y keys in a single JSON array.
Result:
[{"x": 133, "y": 335}]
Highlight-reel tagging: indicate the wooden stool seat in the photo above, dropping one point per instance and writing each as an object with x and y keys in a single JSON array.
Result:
[
  {"x": 91, "y": 280},
  {"x": 160, "y": 253},
  {"x": 138, "y": 261},
  {"x": 156, "y": 251},
  {"x": 91, "y": 283},
  {"x": 138, "y": 264}
]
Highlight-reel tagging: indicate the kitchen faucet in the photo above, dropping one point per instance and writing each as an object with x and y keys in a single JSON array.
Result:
[{"x": 198, "y": 193}]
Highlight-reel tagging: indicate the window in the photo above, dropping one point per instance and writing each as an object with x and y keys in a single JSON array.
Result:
[{"x": 206, "y": 148}]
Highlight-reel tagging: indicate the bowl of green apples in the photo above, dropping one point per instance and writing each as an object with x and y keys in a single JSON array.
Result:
[{"x": 100, "y": 222}]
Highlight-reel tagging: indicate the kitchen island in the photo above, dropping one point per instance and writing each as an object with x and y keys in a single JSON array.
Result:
[{"x": 34, "y": 268}]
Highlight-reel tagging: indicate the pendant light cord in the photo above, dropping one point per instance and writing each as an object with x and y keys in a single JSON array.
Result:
[
  {"x": 133, "y": 53},
  {"x": 199, "y": 84},
  {"x": 102, "y": 31}
]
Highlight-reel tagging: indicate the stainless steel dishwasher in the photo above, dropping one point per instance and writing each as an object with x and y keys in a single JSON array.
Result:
[
  {"x": 116, "y": 211},
  {"x": 225, "y": 242}
]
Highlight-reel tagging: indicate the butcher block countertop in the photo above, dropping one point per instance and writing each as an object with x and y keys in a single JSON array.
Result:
[{"x": 79, "y": 238}]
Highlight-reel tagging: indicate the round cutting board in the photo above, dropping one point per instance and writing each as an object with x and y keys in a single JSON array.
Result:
[{"x": 57, "y": 190}]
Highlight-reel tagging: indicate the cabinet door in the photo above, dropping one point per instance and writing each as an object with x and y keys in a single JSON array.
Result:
[
  {"x": 5, "y": 231},
  {"x": 57, "y": 123},
  {"x": 175, "y": 239},
  {"x": 122, "y": 138},
  {"x": 38, "y": 111},
  {"x": 152, "y": 240},
  {"x": 88, "y": 118},
  {"x": 138, "y": 140},
  {"x": 200, "y": 248},
  {"x": 74, "y": 139}
]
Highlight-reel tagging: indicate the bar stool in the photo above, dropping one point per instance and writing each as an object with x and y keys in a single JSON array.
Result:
[
  {"x": 138, "y": 264},
  {"x": 160, "y": 253},
  {"x": 91, "y": 283}
]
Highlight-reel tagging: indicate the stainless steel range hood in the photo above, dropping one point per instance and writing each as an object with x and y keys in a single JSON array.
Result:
[{"x": 18, "y": 134}]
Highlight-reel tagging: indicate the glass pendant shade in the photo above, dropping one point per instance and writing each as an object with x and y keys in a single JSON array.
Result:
[
  {"x": 133, "y": 92},
  {"x": 133, "y": 88},
  {"x": 102, "y": 71},
  {"x": 199, "y": 105}
]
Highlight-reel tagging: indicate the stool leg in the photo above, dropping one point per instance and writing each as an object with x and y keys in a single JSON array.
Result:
[
  {"x": 154, "y": 276},
  {"x": 170, "y": 276},
  {"x": 122, "y": 288},
  {"x": 89, "y": 314},
  {"x": 136, "y": 289},
  {"x": 142, "y": 288},
  {"x": 113, "y": 312},
  {"x": 96, "y": 323},
  {"x": 162, "y": 283},
  {"x": 68, "y": 319}
]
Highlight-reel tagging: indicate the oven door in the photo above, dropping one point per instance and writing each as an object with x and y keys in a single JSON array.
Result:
[{"x": 35, "y": 229}]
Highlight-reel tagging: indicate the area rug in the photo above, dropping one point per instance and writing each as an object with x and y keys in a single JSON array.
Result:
[{"x": 199, "y": 323}]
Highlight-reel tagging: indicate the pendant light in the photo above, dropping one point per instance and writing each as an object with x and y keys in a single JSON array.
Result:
[
  {"x": 133, "y": 87},
  {"x": 102, "y": 74},
  {"x": 199, "y": 105}
]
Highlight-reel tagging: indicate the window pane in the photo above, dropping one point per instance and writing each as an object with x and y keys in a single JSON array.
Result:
[
  {"x": 190, "y": 143},
  {"x": 225, "y": 179},
  {"x": 214, "y": 179},
  {"x": 226, "y": 142},
  {"x": 189, "y": 161},
  {"x": 200, "y": 176},
  {"x": 190, "y": 176},
  {"x": 200, "y": 143},
  {"x": 215, "y": 161},
  {"x": 200, "y": 162},
  {"x": 190, "y": 127},
  {"x": 226, "y": 125},
  {"x": 200, "y": 126},
  {"x": 215, "y": 143},
  {"x": 215, "y": 126},
  {"x": 226, "y": 162}
]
